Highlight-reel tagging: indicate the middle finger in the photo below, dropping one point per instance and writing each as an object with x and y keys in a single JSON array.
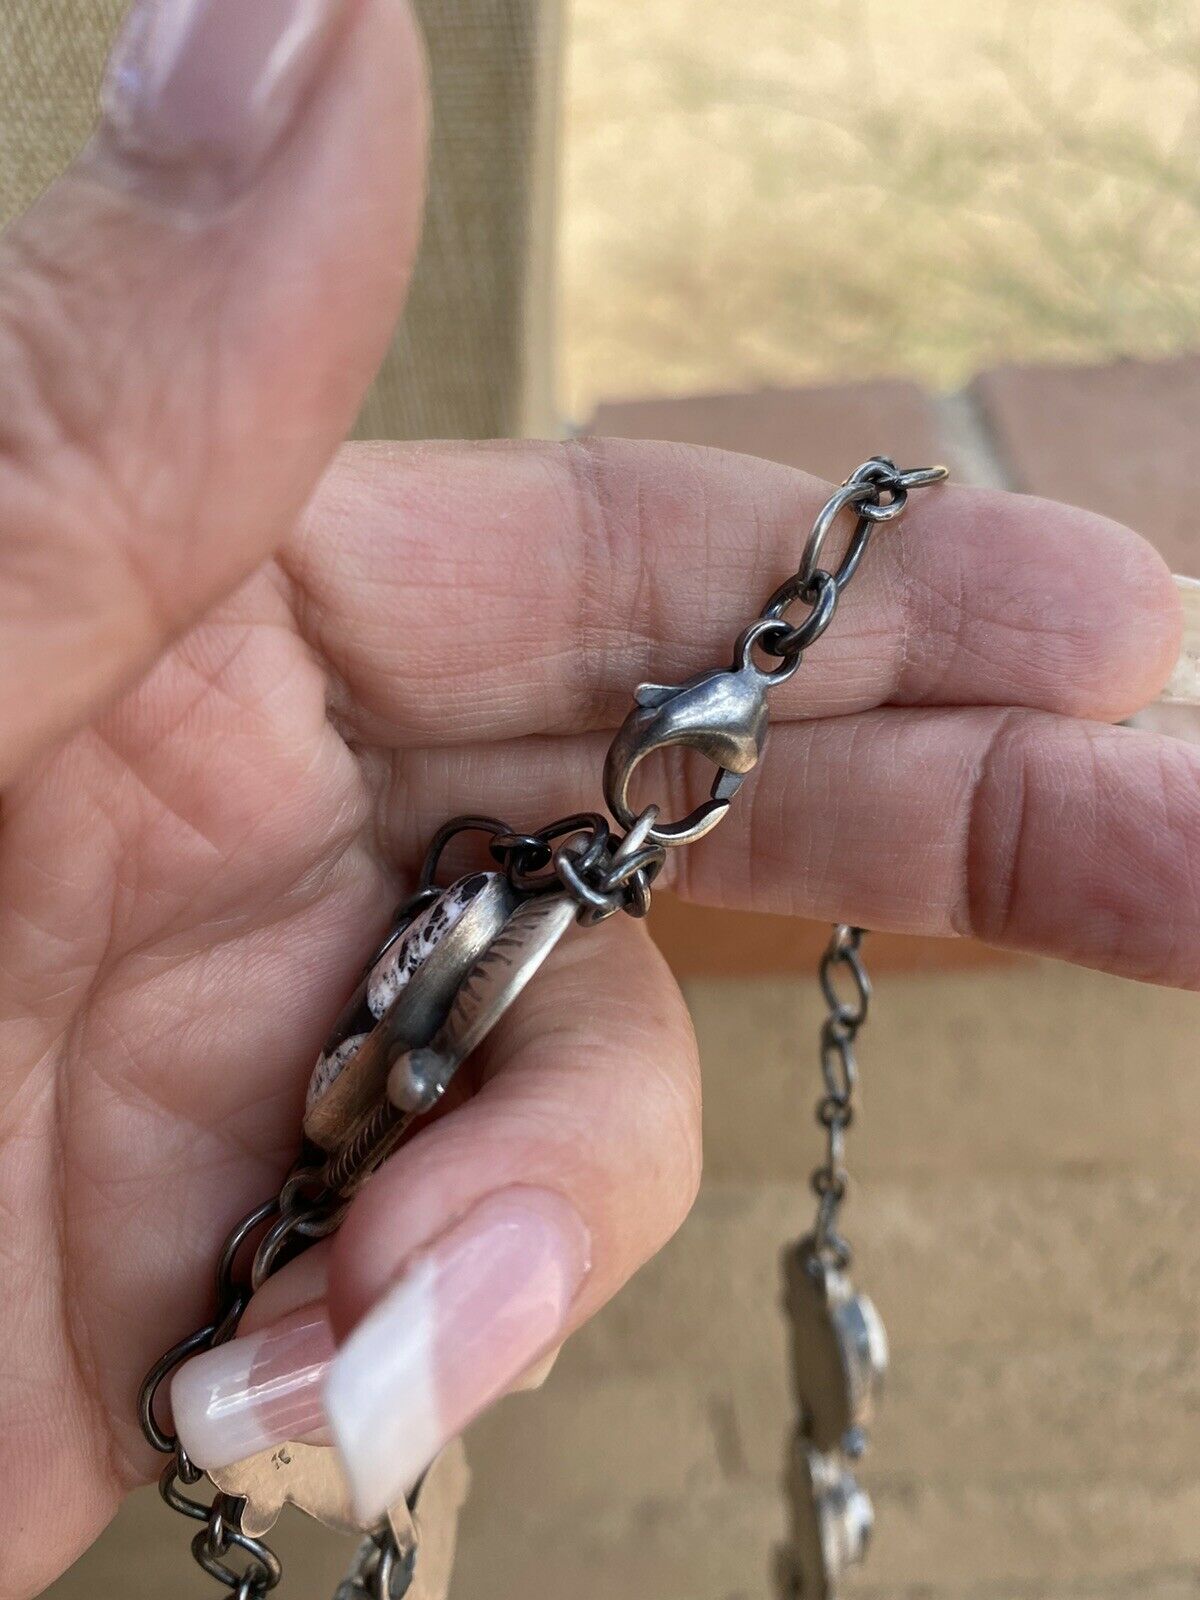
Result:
[{"x": 471, "y": 592}]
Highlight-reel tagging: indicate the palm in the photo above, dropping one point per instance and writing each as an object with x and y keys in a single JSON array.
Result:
[{"x": 185, "y": 886}]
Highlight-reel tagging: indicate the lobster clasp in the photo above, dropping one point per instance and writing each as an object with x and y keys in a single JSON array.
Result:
[{"x": 722, "y": 714}]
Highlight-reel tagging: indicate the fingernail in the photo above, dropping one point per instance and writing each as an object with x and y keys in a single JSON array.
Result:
[
  {"x": 470, "y": 1314},
  {"x": 199, "y": 92},
  {"x": 253, "y": 1393},
  {"x": 1183, "y": 687},
  {"x": 536, "y": 1376}
]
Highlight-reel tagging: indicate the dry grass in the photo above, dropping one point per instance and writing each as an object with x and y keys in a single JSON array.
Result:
[{"x": 792, "y": 190}]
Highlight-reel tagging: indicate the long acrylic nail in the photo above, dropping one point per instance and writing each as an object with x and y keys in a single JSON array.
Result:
[
  {"x": 255, "y": 1392},
  {"x": 469, "y": 1315},
  {"x": 1183, "y": 687},
  {"x": 199, "y": 92}
]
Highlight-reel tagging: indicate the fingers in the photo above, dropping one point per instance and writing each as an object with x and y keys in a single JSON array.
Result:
[
  {"x": 484, "y": 1242},
  {"x": 1036, "y": 833},
  {"x": 476, "y": 592},
  {"x": 1030, "y": 831},
  {"x": 188, "y": 321}
]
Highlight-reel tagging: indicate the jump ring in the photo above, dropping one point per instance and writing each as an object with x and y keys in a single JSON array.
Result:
[
  {"x": 450, "y": 830},
  {"x": 854, "y": 492},
  {"x": 227, "y": 1262},
  {"x": 184, "y": 1504},
  {"x": 853, "y": 1014}
]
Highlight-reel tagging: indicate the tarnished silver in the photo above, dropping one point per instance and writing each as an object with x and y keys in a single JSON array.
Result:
[
  {"x": 832, "y": 1520},
  {"x": 838, "y": 1341},
  {"x": 721, "y": 714},
  {"x": 404, "y": 1033},
  {"x": 461, "y": 991},
  {"x": 420, "y": 1076},
  {"x": 417, "y": 1012},
  {"x": 388, "y": 1569},
  {"x": 307, "y": 1476},
  {"x": 839, "y": 1073},
  {"x": 839, "y": 1351}
]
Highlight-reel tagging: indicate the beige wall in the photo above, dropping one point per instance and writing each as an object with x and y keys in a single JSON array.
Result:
[{"x": 472, "y": 357}]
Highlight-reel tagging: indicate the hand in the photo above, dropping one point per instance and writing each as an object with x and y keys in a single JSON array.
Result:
[{"x": 192, "y": 869}]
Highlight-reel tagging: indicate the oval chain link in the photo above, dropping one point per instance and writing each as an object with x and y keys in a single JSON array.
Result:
[{"x": 839, "y": 1073}]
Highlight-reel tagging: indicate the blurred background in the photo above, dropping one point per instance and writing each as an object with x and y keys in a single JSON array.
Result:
[
  {"x": 815, "y": 231},
  {"x": 793, "y": 193}
]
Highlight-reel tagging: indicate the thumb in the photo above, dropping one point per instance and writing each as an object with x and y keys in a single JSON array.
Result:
[{"x": 188, "y": 322}]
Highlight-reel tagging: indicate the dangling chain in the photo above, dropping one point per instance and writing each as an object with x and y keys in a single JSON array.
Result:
[
  {"x": 839, "y": 1071},
  {"x": 722, "y": 715}
]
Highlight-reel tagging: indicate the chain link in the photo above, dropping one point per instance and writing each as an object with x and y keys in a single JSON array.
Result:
[
  {"x": 877, "y": 491},
  {"x": 301, "y": 1213},
  {"x": 602, "y": 871},
  {"x": 839, "y": 1073},
  {"x": 380, "y": 1571}
]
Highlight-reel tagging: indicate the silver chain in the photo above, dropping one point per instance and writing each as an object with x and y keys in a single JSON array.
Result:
[
  {"x": 721, "y": 714},
  {"x": 839, "y": 1072},
  {"x": 272, "y": 1234}
]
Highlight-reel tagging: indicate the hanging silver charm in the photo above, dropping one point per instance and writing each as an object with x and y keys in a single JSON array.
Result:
[
  {"x": 832, "y": 1520},
  {"x": 839, "y": 1345},
  {"x": 839, "y": 1351},
  {"x": 839, "y": 1358}
]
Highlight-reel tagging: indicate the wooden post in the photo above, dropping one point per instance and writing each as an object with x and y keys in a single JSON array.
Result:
[{"x": 473, "y": 357}]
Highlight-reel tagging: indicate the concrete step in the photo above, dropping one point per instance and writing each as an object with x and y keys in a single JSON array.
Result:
[
  {"x": 1022, "y": 1070},
  {"x": 1047, "y": 1539},
  {"x": 1079, "y": 1413},
  {"x": 969, "y": 1261}
]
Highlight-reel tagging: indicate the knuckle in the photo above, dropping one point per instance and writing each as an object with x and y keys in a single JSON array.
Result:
[
  {"x": 60, "y": 369},
  {"x": 626, "y": 495},
  {"x": 1156, "y": 849},
  {"x": 607, "y": 511},
  {"x": 995, "y": 831}
]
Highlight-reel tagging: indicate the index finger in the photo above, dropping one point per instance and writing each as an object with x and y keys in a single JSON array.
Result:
[{"x": 472, "y": 592}]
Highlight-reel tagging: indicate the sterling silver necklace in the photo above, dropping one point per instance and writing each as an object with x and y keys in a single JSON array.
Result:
[{"x": 454, "y": 959}]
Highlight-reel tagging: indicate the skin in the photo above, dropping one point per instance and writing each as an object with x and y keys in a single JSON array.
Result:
[{"x": 235, "y": 705}]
